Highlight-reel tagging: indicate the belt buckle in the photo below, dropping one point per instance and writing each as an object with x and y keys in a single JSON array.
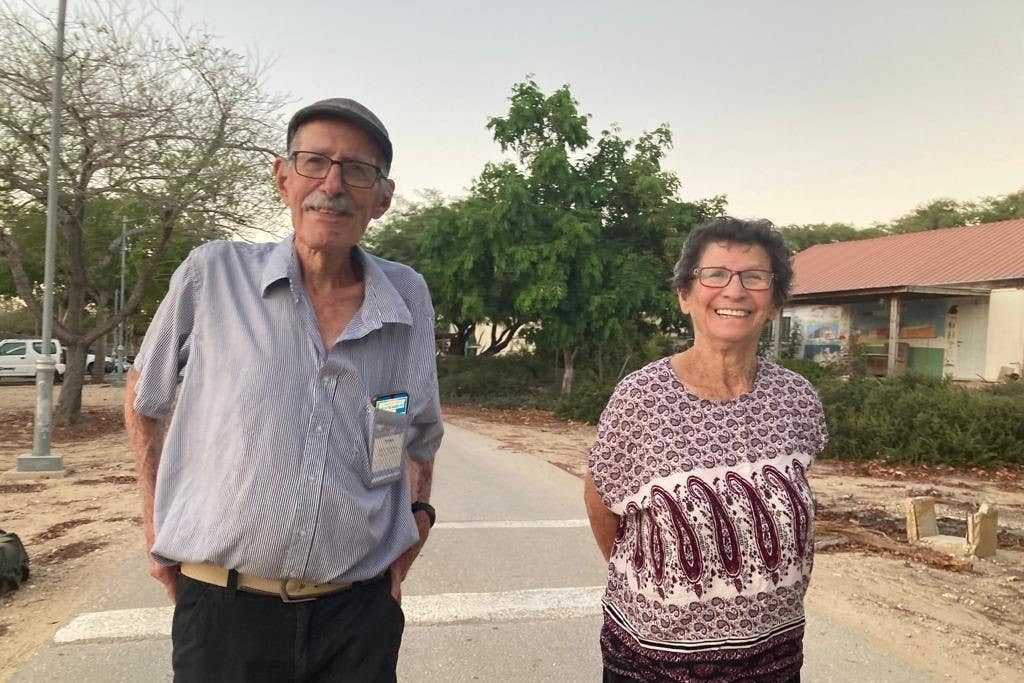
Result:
[{"x": 285, "y": 597}]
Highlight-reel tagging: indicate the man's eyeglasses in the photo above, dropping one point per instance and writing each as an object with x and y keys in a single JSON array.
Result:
[
  {"x": 317, "y": 166},
  {"x": 754, "y": 280}
]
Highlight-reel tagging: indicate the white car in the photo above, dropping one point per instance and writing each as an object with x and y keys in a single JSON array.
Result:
[
  {"x": 109, "y": 364},
  {"x": 18, "y": 357}
]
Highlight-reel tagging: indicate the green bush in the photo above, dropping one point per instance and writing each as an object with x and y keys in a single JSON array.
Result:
[
  {"x": 498, "y": 381},
  {"x": 922, "y": 420},
  {"x": 586, "y": 402},
  {"x": 1006, "y": 389},
  {"x": 815, "y": 373}
]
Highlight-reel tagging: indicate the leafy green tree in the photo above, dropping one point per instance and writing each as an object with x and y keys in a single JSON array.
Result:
[
  {"x": 548, "y": 214},
  {"x": 800, "y": 237},
  {"x": 937, "y": 214},
  {"x": 940, "y": 213},
  {"x": 593, "y": 227},
  {"x": 948, "y": 213},
  {"x": 160, "y": 126},
  {"x": 570, "y": 240},
  {"x": 418, "y": 235},
  {"x": 1000, "y": 207}
]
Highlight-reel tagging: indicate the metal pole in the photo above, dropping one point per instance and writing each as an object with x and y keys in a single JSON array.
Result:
[
  {"x": 119, "y": 351},
  {"x": 41, "y": 460}
]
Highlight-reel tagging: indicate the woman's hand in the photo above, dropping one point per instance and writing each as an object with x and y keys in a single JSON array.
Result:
[{"x": 603, "y": 522}]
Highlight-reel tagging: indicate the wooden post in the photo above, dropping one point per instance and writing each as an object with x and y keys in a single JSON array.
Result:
[
  {"x": 894, "y": 334},
  {"x": 777, "y": 336}
]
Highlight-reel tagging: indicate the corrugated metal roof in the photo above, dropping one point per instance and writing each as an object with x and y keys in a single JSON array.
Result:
[{"x": 976, "y": 253}]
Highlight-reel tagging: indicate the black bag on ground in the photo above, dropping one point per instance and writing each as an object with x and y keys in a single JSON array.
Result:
[{"x": 13, "y": 562}]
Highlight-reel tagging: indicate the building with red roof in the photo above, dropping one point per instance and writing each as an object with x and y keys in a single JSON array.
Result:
[{"x": 944, "y": 302}]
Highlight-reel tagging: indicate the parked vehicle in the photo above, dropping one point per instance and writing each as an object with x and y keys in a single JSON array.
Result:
[
  {"x": 18, "y": 357},
  {"x": 90, "y": 360}
]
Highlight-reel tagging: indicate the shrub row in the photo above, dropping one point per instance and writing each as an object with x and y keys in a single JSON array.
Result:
[
  {"x": 509, "y": 381},
  {"x": 922, "y": 420}
]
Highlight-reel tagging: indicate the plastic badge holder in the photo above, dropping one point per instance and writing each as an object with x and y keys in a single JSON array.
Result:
[{"x": 388, "y": 430}]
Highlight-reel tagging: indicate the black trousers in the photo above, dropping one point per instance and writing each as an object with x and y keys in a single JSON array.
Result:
[{"x": 227, "y": 636}]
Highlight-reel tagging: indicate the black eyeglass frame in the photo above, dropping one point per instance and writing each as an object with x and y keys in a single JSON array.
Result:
[
  {"x": 342, "y": 163},
  {"x": 696, "y": 273}
]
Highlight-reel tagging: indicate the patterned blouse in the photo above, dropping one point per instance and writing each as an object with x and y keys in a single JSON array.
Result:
[{"x": 714, "y": 551}]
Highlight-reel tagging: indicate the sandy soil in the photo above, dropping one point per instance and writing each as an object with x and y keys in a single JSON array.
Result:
[
  {"x": 76, "y": 529},
  {"x": 960, "y": 621}
]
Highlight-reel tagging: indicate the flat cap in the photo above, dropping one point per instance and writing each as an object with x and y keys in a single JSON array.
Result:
[{"x": 348, "y": 110}]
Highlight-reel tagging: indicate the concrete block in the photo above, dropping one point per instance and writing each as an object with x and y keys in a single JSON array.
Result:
[
  {"x": 951, "y": 545},
  {"x": 982, "y": 531},
  {"x": 921, "y": 518}
]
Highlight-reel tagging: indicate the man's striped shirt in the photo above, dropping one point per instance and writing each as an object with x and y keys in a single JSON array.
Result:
[{"x": 265, "y": 464}]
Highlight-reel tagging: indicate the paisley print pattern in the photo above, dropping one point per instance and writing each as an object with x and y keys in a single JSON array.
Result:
[{"x": 714, "y": 551}]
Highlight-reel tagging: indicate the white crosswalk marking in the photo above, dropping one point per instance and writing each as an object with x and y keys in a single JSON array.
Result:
[
  {"x": 420, "y": 610},
  {"x": 514, "y": 524}
]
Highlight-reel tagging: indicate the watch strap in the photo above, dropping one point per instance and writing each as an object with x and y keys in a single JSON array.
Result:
[{"x": 425, "y": 507}]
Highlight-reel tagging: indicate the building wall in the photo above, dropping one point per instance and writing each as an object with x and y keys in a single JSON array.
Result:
[
  {"x": 1005, "y": 349},
  {"x": 824, "y": 331},
  {"x": 482, "y": 339},
  {"x": 972, "y": 318},
  {"x": 939, "y": 336}
]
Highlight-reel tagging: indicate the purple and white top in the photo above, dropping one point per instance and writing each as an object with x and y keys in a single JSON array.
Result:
[{"x": 714, "y": 551}]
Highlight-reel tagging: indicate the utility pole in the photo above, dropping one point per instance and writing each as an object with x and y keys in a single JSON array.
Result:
[{"x": 42, "y": 462}]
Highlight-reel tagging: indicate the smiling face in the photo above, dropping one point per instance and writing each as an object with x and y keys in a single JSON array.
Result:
[
  {"x": 729, "y": 316},
  {"x": 327, "y": 214}
]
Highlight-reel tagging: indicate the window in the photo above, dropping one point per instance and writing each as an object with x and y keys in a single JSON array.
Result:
[
  {"x": 12, "y": 349},
  {"x": 38, "y": 346}
]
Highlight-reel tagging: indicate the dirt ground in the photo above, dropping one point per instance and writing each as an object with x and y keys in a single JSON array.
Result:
[
  {"x": 75, "y": 529},
  {"x": 961, "y": 621}
]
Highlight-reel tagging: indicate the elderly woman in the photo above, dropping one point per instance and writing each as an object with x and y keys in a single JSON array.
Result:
[{"x": 697, "y": 487}]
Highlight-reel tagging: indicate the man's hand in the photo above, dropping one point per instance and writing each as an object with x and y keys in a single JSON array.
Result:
[
  {"x": 165, "y": 575},
  {"x": 400, "y": 567}
]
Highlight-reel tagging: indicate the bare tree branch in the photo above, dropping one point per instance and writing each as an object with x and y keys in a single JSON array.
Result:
[{"x": 157, "y": 121}]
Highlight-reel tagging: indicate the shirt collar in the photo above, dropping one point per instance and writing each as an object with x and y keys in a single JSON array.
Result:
[
  {"x": 279, "y": 263},
  {"x": 381, "y": 301}
]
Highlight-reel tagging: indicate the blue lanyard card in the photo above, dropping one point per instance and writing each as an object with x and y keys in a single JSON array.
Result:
[{"x": 393, "y": 403}]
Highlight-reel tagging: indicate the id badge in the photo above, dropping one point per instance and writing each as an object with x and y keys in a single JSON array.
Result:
[{"x": 387, "y": 432}]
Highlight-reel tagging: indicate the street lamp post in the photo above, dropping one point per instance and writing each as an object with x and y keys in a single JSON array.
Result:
[{"x": 41, "y": 462}]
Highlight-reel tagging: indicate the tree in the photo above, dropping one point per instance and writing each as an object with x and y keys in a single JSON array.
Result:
[
  {"x": 570, "y": 239},
  {"x": 948, "y": 213},
  {"x": 1000, "y": 207},
  {"x": 591, "y": 230},
  {"x": 800, "y": 237},
  {"x": 940, "y": 213},
  {"x": 160, "y": 126},
  {"x": 937, "y": 214},
  {"x": 402, "y": 237}
]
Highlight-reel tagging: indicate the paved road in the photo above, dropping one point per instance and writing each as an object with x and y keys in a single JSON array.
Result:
[{"x": 507, "y": 589}]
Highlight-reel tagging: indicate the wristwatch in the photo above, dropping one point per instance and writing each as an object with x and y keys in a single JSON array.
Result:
[{"x": 425, "y": 507}]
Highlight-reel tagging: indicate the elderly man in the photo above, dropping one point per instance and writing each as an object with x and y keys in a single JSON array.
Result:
[{"x": 286, "y": 490}]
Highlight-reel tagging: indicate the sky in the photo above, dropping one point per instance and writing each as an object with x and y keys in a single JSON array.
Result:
[{"x": 798, "y": 111}]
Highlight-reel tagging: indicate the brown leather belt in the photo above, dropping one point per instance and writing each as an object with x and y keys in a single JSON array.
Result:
[{"x": 289, "y": 590}]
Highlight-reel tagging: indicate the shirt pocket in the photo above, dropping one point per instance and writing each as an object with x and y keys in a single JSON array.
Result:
[{"x": 385, "y": 446}]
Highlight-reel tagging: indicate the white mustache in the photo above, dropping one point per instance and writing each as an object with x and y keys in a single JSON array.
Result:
[{"x": 321, "y": 201}]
